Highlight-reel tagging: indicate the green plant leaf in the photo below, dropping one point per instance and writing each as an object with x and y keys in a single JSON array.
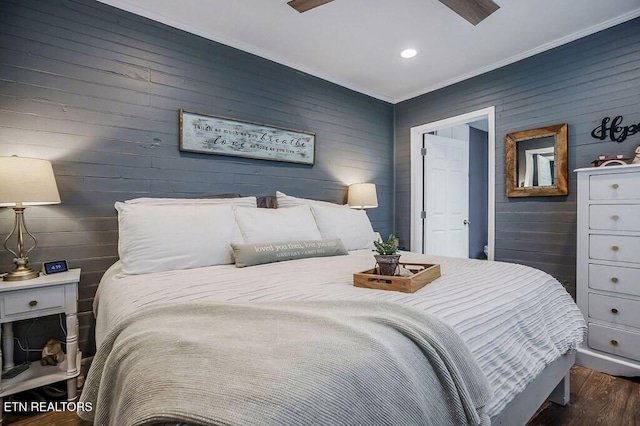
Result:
[{"x": 388, "y": 247}]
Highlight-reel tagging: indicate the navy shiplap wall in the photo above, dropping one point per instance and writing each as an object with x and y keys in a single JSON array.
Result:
[
  {"x": 579, "y": 84},
  {"x": 97, "y": 90}
]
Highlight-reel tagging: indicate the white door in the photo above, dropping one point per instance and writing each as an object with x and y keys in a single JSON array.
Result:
[
  {"x": 541, "y": 157},
  {"x": 544, "y": 171},
  {"x": 446, "y": 196}
]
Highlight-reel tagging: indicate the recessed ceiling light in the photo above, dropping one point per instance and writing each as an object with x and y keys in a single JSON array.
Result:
[{"x": 408, "y": 53}]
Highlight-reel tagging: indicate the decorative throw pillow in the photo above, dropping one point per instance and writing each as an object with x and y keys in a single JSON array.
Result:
[
  {"x": 236, "y": 201},
  {"x": 351, "y": 226},
  {"x": 257, "y": 254},
  {"x": 285, "y": 201},
  {"x": 267, "y": 225},
  {"x": 156, "y": 238}
]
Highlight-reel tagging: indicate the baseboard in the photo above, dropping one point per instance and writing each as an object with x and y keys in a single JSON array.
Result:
[{"x": 606, "y": 364}]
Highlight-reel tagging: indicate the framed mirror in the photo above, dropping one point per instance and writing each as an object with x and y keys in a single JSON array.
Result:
[{"x": 536, "y": 162}]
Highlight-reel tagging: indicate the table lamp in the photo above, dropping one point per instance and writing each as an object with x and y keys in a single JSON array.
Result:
[
  {"x": 362, "y": 196},
  {"x": 25, "y": 182}
]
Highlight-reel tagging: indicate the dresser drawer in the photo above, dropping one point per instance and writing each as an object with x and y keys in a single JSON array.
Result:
[
  {"x": 22, "y": 302},
  {"x": 615, "y": 186},
  {"x": 614, "y": 247},
  {"x": 617, "y": 310},
  {"x": 614, "y": 341},
  {"x": 615, "y": 217},
  {"x": 614, "y": 278}
]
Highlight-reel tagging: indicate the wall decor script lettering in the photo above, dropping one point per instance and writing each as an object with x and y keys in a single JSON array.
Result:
[
  {"x": 613, "y": 129},
  {"x": 211, "y": 134}
]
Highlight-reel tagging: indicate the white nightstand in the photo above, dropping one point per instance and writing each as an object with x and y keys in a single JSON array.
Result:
[{"x": 45, "y": 295}]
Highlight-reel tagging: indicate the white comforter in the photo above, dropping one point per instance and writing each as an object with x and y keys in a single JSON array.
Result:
[{"x": 514, "y": 319}]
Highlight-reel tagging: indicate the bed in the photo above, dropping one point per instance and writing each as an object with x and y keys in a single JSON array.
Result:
[{"x": 518, "y": 324}]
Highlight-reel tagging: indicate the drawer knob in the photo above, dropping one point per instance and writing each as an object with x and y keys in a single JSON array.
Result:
[
  {"x": 614, "y": 279},
  {"x": 614, "y": 342},
  {"x": 615, "y": 248},
  {"x": 615, "y": 217},
  {"x": 615, "y": 186},
  {"x": 33, "y": 303},
  {"x": 614, "y": 311}
]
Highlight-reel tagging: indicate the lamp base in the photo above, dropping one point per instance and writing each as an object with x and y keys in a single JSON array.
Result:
[
  {"x": 21, "y": 274},
  {"x": 21, "y": 259}
]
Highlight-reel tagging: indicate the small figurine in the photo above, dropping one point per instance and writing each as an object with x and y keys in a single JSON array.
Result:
[
  {"x": 610, "y": 160},
  {"x": 636, "y": 160},
  {"x": 613, "y": 163},
  {"x": 52, "y": 353}
]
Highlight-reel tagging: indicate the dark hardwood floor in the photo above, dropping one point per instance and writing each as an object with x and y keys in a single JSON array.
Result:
[{"x": 596, "y": 399}]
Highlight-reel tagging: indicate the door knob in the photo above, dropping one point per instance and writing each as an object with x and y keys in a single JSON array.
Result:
[{"x": 466, "y": 222}]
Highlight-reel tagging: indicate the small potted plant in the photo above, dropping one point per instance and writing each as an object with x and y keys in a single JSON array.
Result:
[{"x": 387, "y": 257}]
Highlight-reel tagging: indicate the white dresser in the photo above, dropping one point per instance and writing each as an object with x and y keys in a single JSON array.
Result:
[{"x": 608, "y": 268}]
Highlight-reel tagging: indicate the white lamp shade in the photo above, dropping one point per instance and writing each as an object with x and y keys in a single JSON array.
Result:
[
  {"x": 28, "y": 181},
  {"x": 363, "y": 196}
]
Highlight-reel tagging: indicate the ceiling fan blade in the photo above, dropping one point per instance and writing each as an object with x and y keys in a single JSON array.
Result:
[
  {"x": 473, "y": 11},
  {"x": 304, "y": 5}
]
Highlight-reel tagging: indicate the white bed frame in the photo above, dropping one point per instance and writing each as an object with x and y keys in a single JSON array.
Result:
[{"x": 552, "y": 383}]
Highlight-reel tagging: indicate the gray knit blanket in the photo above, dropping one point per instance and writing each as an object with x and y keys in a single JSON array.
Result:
[{"x": 285, "y": 363}]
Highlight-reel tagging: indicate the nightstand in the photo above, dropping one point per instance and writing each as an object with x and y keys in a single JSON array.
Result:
[{"x": 39, "y": 297}]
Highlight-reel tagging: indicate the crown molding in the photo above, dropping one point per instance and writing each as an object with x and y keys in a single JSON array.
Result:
[
  {"x": 543, "y": 48},
  {"x": 218, "y": 38},
  {"x": 210, "y": 35}
]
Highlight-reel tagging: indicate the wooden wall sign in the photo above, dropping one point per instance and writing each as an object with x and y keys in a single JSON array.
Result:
[
  {"x": 212, "y": 134},
  {"x": 613, "y": 129}
]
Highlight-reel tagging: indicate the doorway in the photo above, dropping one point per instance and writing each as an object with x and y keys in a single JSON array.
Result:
[
  {"x": 446, "y": 193},
  {"x": 439, "y": 223}
]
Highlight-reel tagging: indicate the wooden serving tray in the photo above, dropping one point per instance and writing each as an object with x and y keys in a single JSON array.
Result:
[{"x": 424, "y": 273}]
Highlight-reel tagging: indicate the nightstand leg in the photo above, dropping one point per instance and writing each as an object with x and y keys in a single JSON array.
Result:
[
  {"x": 72, "y": 344},
  {"x": 7, "y": 346},
  {"x": 72, "y": 351},
  {"x": 72, "y": 389}
]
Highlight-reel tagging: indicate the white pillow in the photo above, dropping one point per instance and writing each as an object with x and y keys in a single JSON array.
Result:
[
  {"x": 155, "y": 238},
  {"x": 351, "y": 226},
  {"x": 283, "y": 225},
  {"x": 285, "y": 201},
  {"x": 238, "y": 201}
]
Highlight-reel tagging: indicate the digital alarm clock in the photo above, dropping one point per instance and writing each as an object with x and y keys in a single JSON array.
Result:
[{"x": 54, "y": 267}]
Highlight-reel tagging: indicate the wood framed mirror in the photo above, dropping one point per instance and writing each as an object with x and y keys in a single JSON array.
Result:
[{"x": 536, "y": 162}]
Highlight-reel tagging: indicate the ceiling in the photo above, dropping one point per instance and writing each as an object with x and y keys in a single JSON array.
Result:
[{"x": 357, "y": 43}]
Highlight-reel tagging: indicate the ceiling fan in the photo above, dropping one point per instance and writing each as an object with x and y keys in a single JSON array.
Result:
[{"x": 473, "y": 11}]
